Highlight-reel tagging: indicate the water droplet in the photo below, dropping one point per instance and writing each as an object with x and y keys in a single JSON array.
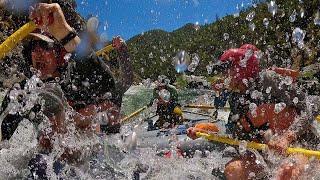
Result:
[
  {"x": 317, "y": 19},
  {"x": 252, "y": 26},
  {"x": 236, "y": 15},
  {"x": 292, "y": 17},
  {"x": 279, "y": 107},
  {"x": 151, "y": 55},
  {"x": 104, "y": 37},
  {"x": 298, "y": 36},
  {"x": 250, "y": 16},
  {"x": 242, "y": 147},
  {"x": 92, "y": 24},
  {"x": 288, "y": 80},
  {"x": 225, "y": 36},
  {"x": 272, "y": 7},
  {"x": 181, "y": 61},
  {"x": 302, "y": 13},
  {"x": 268, "y": 90},
  {"x": 196, "y": 26},
  {"x": 194, "y": 64},
  {"x": 209, "y": 68},
  {"x": 266, "y": 22}
]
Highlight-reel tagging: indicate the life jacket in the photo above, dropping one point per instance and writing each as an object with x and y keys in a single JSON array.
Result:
[{"x": 265, "y": 115}]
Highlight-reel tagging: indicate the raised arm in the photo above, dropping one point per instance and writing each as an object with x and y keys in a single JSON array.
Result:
[{"x": 125, "y": 79}]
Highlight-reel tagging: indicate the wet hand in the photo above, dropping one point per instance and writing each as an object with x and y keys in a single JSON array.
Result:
[
  {"x": 50, "y": 18},
  {"x": 192, "y": 133},
  {"x": 208, "y": 128},
  {"x": 279, "y": 144},
  {"x": 282, "y": 142}
]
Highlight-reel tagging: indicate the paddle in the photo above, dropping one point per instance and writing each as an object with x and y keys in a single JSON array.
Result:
[
  {"x": 15, "y": 38},
  {"x": 254, "y": 145},
  {"x": 197, "y": 113},
  {"x": 204, "y": 107},
  {"x": 126, "y": 119},
  {"x": 104, "y": 50},
  {"x": 12, "y": 41}
]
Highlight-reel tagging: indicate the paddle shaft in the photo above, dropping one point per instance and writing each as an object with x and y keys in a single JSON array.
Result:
[
  {"x": 105, "y": 50},
  {"x": 204, "y": 107},
  {"x": 254, "y": 145},
  {"x": 196, "y": 113},
  {"x": 125, "y": 119},
  {"x": 12, "y": 41}
]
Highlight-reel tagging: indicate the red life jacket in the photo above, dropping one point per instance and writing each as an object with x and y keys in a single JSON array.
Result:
[{"x": 265, "y": 115}]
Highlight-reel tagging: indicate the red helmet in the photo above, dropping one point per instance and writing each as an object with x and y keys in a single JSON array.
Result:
[{"x": 244, "y": 62}]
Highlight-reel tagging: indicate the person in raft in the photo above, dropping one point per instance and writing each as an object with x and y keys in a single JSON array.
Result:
[{"x": 268, "y": 107}]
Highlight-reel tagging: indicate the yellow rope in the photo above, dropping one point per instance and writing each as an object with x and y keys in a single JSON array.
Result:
[{"x": 257, "y": 146}]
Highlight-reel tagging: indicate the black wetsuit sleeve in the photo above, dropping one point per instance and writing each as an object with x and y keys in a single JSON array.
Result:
[
  {"x": 89, "y": 79},
  {"x": 126, "y": 70},
  {"x": 125, "y": 77}
]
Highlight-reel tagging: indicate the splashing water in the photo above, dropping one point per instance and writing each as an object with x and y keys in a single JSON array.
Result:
[
  {"x": 252, "y": 26},
  {"x": 317, "y": 19},
  {"x": 272, "y": 7},
  {"x": 302, "y": 13},
  {"x": 293, "y": 16},
  {"x": 92, "y": 24},
  {"x": 209, "y": 68},
  {"x": 279, "y": 107},
  {"x": 195, "y": 62},
  {"x": 181, "y": 61},
  {"x": 266, "y": 22},
  {"x": 298, "y": 37},
  {"x": 226, "y": 36},
  {"x": 196, "y": 26}
]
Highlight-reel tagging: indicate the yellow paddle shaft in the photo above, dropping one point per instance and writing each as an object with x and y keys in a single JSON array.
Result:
[
  {"x": 12, "y": 41},
  {"x": 125, "y": 119},
  {"x": 203, "y": 106},
  {"x": 257, "y": 146},
  {"x": 105, "y": 50}
]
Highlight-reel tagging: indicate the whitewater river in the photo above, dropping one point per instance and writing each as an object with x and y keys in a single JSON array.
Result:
[
  {"x": 136, "y": 153},
  {"x": 133, "y": 153}
]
